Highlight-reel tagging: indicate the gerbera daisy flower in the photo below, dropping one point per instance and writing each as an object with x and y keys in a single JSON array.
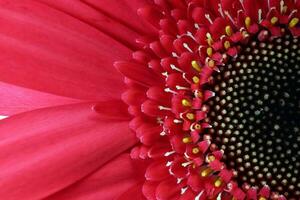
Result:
[
  {"x": 215, "y": 100},
  {"x": 212, "y": 89}
]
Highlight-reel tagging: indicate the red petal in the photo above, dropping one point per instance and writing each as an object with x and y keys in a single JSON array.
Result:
[
  {"x": 187, "y": 195},
  {"x": 151, "y": 14},
  {"x": 15, "y": 99},
  {"x": 157, "y": 171},
  {"x": 44, "y": 151},
  {"x": 168, "y": 190},
  {"x": 252, "y": 193},
  {"x": 149, "y": 133},
  {"x": 115, "y": 179},
  {"x": 95, "y": 17},
  {"x": 134, "y": 97},
  {"x": 49, "y": 50},
  {"x": 115, "y": 109},
  {"x": 158, "y": 94},
  {"x": 137, "y": 72},
  {"x": 159, "y": 149},
  {"x": 153, "y": 109},
  {"x": 125, "y": 12},
  {"x": 195, "y": 182},
  {"x": 177, "y": 169},
  {"x": 149, "y": 188},
  {"x": 265, "y": 191},
  {"x": 177, "y": 144},
  {"x": 135, "y": 191}
]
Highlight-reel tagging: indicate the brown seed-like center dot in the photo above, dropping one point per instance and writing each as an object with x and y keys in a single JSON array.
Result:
[{"x": 256, "y": 114}]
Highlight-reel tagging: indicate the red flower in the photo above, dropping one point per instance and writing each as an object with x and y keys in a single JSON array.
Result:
[
  {"x": 57, "y": 60},
  {"x": 173, "y": 78}
]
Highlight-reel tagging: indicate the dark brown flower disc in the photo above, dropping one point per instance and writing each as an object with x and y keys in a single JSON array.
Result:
[{"x": 256, "y": 114}]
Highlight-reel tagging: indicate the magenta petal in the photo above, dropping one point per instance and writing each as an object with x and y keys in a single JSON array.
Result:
[
  {"x": 119, "y": 177},
  {"x": 98, "y": 18},
  {"x": 46, "y": 150},
  {"x": 138, "y": 72},
  {"x": 134, "y": 192},
  {"x": 16, "y": 99},
  {"x": 157, "y": 171},
  {"x": 125, "y": 12},
  {"x": 149, "y": 188},
  {"x": 168, "y": 190},
  {"x": 46, "y": 49}
]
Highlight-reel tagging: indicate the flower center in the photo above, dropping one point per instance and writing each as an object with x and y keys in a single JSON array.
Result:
[{"x": 256, "y": 114}]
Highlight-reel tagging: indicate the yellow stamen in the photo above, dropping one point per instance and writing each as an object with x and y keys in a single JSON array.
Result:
[
  {"x": 195, "y": 150},
  {"x": 262, "y": 198},
  {"x": 206, "y": 172},
  {"x": 218, "y": 182},
  {"x": 197, "y": 127},
  {"x": 245, "y": 34},
  {"x": 227, "y": 44},
  {"x": 209, "y": 39},
  {"x": 196, "y": 66},
  {"x": 274, "y": 20},
  {"x": 199, "y": 94},
  {"x": 209, "y": 42},
  {"x": 196, "y": 79},
  {"x": 190, "y": 116},
  {"x": 211, "y": 63},
  {"x": 228, "y": 30},
  {"x": 293, "y": 22},
  {"x": 186, "y": 140},
  {"x": 211, "y": 158},
  {"x": 248, "y": 22},
  {"x": 186, "y": 103},
  {"x": 209, "y": 51}
]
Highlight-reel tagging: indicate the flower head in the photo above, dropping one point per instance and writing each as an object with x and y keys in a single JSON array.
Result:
[
  {"x": 213, "y": 96},
  {"x": 212, "y": 89}
]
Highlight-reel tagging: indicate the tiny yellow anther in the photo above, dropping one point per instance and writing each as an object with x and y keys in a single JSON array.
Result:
[
  {"x": 209, "y": 42},
  {"x": 274, "y": 20},
  {"x": 209, "y": 39},
  {"x": 199, "y": 94},
  {"x": 196, "y": 66},
  {"x": 218, "y": 182},
  {"x": 206, "y": 172},
  {"x": 186, "y": 140},
  {"x": 262, "y": 198},
  {"x": 186, "y": 102},
  {"x": 211, "y": 63},
  {"x": 227, "y": 44},
  {"x": 228, "y": 30},
  {"x": 211, "y": 158},
  {"x": 293, "y": 22},
  {"x": 245, "y": 34},
  {"x": 190, "y": 116},
  {"x": 248, "y": 22},
  {"x": 197, "y": 127},
  {"x": 196, "y": 79},
  {"x": 209, "y": 51},
  {"x": 195, "y": 150}
]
